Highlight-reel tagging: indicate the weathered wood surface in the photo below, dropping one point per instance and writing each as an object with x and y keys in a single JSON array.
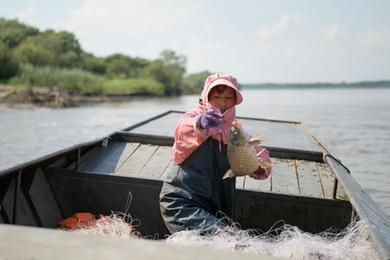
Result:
[
  {"x": 163, "y": 126},
  {"x": 281, "y": 134},
  {"x": 165, "y": 172},
  {"x": 240, "y": 182},
  {"x": 25, "y": 216},
  {"x": 308, "y": 178},
  {"x": 377, "y": 220},
  {"x": 133, "y": 165},
  {"x": 257, "y": 185},
  {"x": 156, "y": 165},
  {"x": 107, "y": 159},
  {"x": 132, "y": 159},
  {"x": 104, "y": 194},
  {"x": 47, "y": 209},
  {"x": 328, "y": 181},
  {"x": 284, "y": 177}
]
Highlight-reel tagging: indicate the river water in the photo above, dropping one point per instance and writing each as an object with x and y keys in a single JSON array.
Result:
[{"x": 353, "y": 123}]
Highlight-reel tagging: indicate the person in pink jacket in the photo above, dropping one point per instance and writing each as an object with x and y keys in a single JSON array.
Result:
[{"x": 194, "y": 195}]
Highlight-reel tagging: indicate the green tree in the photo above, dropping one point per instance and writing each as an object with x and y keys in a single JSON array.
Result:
[
  {"x": 50, "y": 49},
  {"x": 36, "y": 55},
  {"x": 93, "y": 64},
  {"x": 63, "y": 45},
  {"x": 169, "y": 70},
  {"x": 12, "y": 32},
  {"x": 125, "y": 66},
  {"x": 118, "y": 65},
  {"x": 193, "y": 83},
  {"x": 8, "y": 65}
]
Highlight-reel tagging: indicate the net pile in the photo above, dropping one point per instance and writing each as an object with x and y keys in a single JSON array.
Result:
[{"x": 291, "y": 242}]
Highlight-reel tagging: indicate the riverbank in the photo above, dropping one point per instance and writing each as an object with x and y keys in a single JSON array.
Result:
[{"x": 55, "y": 98}]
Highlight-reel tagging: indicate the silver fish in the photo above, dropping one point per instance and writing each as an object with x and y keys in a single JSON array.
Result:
[{"x": 241, "y": 152}]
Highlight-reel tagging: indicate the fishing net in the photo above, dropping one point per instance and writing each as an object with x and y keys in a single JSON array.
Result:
[{"x": 291, "y": 242}]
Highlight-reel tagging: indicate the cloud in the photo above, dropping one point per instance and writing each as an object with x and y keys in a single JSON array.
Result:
[
  {"x": 292, "y": 48},
  {"x": 376, "y": 38},
  {"x": 286, "y": 26},
  {"x": 332, "y": 32},
  {"x": 129, "y": 26},
  {"x": 28, "y": 12}
]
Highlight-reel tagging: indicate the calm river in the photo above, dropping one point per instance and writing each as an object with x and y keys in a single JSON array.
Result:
[{"x": 353, "y": 123}]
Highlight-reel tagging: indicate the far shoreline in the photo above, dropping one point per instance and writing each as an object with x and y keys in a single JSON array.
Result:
[{"x": 42, "y": 97}]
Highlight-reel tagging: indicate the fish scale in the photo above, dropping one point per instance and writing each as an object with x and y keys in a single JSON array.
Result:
[
  {"x": 242, "y": 159},
  {"x": 241, "y": 152}
]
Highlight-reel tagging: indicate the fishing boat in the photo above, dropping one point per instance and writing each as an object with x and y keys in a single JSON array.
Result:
[{"x": 123, "y": 172}]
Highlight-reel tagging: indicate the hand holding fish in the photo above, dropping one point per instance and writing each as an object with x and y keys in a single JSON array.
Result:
[
  {"x": 246, "y": 156},
  {"x": 210, "y": 118},
  {"x": 265, "y": 165}
]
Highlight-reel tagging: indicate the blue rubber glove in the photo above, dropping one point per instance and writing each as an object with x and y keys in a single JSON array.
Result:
[{"x": 209, "y": 119}]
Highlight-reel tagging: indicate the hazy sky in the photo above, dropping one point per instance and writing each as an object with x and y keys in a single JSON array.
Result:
[{"x": 256, "y": 40}]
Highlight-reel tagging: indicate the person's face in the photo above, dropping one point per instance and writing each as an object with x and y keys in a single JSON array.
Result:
[{"x": 222, "y": 97}]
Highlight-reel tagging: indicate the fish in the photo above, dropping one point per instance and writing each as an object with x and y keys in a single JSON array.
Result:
[{"x": 241, "y": 152}]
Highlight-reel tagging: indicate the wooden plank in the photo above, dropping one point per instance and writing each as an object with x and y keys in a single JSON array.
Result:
[
  {"x": 266, "y": 210},
  {"x": 240, "y": 182},
  {"x": 280, "y": 134},
  {"x": 308, "y": 179},
  {"x": 133, "y": 165},
  {"x": 24, "y": 215},
  {"x": 257, "y": 185},
  {"x": 163, "y": 126},
  {"x": 377, "y": 221},
  {"x": 108, "y": 159},
  {"x": 169, "y": 167},
  {"x": 341, "y": 195},
  {"x": 157, "y": 164},
  {"x": 43, "y": 200},
  {"x": 327, "y": 180},
  {"x": 284, "y": 177},
  {"x": 127, "y": 152},
  {"x": 104, "y": 194}
]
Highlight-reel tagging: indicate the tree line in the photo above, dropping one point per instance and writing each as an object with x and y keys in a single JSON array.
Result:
[{"x": 54, "y": 59}]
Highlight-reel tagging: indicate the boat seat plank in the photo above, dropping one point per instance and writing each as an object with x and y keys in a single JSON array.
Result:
[
  {"x": 284, "y": 176},
  {"x": 279, "y": 134},
  {"x": 240, "y": 182},
  {"x": 284, "y": 135},
  {"x": 163, "y": 126},
  {"x": 308, "y": 179},
  {"x": 169, "y": 167},
  {"x": 341, "y": 195},
  {"x": 327, "y": 180},
  {"x": 157, "y": 164},
  {"x": 133, "y": 165},
  {"x": 257, "y": 185},
  {"x": 108, "y": 159}
]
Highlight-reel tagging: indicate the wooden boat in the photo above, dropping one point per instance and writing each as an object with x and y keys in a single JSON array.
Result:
[{"x": 123, "y": 172}]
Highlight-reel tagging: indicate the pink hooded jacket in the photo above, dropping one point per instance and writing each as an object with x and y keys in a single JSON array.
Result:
[{"x": 188, "y": 136}]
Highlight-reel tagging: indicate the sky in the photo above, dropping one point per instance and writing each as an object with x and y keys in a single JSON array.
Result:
[{"x": 258, "y": 41}]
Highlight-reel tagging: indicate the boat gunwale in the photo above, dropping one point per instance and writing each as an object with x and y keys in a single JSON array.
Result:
[{"x": 373, "y": 215}]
